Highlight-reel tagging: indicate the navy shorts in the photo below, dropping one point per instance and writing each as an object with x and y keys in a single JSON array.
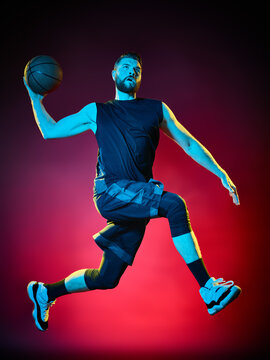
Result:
[{"x": 128, "y": 206}]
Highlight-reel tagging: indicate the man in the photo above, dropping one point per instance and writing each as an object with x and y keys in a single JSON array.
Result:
[{"x": 125, "y": 193}]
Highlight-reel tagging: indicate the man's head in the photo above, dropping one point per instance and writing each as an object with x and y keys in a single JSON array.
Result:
[{"x": 127, "y": 72}]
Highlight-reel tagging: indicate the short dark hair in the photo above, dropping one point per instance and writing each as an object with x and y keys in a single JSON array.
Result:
[{"x": 131, "y": 55}]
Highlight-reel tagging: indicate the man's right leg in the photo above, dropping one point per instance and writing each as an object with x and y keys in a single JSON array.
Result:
[{"x": 106, "y": 277}]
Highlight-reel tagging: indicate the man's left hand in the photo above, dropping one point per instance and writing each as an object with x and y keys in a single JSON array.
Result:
[{"x": 229, "y": 185}]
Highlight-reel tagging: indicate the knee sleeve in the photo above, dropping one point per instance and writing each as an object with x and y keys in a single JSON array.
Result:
[
  {"x": 108, "y": 275},
  {"x": 174, "y": 208}
]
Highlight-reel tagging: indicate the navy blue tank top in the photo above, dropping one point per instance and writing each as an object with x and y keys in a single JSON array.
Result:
[{"x": 127, "y": 136}]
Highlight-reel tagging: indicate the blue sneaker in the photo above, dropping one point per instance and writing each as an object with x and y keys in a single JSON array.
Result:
[
  {"x": 37, "y": 292},
  {"x": 217, "y": 294}
]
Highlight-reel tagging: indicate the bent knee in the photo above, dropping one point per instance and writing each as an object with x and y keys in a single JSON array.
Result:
[
  {"x": 174, "y": 208},
  {"x": 94, "y": 279},
  {"x": 170, "y": 203},
  {"x": 177, "y": 203},
  {"x": 108, "y": 283}
]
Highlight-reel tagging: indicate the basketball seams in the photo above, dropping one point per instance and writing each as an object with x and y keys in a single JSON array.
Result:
[
  {"x": 42, "y": 87},
  {"x": 44, "y": 63},
  {"x": 42, "y": 73},
  {"x": 50, "y": 76}
]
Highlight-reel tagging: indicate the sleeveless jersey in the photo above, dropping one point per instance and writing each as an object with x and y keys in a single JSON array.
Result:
[{"x": 127, "y": 136}]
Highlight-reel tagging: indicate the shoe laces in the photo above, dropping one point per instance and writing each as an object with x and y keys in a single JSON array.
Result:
[
  {"x": 45, "y": 307},
  {"x": 222, "y": 282}
]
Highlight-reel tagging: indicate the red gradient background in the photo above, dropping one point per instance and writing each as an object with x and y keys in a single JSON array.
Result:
[{"x": 208, "y": 63}]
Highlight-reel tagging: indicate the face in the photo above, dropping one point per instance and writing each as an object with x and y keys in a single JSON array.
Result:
[{"x": 127, "y": 75}]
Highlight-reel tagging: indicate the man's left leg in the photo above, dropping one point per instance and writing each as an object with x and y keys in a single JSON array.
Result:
[{"x": 215, "y": 292}]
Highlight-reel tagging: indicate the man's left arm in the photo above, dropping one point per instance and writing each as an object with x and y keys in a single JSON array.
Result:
[{"x": 174, "y": 130}]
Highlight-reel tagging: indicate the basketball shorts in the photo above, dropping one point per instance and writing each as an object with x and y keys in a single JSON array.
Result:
[{"x": 128, "y": 206}]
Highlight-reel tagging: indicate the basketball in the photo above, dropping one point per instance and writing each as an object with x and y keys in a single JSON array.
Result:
[{"x": 43, "y": 74}]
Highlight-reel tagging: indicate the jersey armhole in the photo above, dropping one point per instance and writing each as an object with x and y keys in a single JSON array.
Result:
[
  {"x": 92, "y": 116},
  {"x": 160, "y": 113}
]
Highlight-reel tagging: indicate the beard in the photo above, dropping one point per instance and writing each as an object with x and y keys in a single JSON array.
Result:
[{"x": 127, "y": 86}]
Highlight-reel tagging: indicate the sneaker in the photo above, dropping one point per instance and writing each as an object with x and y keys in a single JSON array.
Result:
[
  {"x": 217, "y": 294},
  {"x": 37, "y": 292}
]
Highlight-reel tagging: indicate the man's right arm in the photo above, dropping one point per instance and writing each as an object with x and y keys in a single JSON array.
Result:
[{"x": 70, "y": 125}]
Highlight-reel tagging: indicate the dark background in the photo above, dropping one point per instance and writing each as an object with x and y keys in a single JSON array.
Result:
[{"x": 209, "y": 62}]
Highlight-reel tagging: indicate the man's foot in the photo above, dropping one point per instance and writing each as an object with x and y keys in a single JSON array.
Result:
[
  {"x": 37, "y": 292},
  {"x": 217, "y": 294}
]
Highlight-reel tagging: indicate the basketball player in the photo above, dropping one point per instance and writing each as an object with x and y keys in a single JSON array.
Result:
[{"x": 125, "y": 193}]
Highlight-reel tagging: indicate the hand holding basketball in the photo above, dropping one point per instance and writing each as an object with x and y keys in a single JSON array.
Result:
[
  {"x": 42, "y": 75},
  {"x": 33, "y": 96}
]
